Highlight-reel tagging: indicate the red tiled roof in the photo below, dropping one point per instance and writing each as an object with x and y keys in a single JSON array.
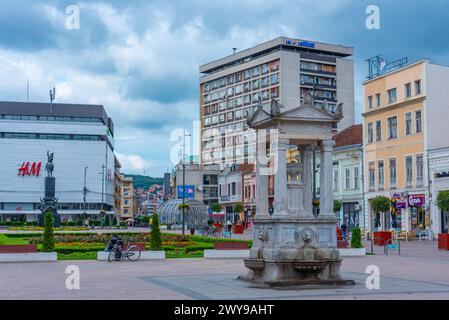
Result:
[{"x": 350, "y": 136}]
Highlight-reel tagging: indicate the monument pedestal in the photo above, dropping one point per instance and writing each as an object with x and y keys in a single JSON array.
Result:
[{"x": 49, "y": 203}]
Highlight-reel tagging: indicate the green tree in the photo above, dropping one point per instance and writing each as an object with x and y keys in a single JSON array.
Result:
[
  {"x": 156, "y": 238},
  {"x": 337, "y": 205},
  {"x": 238, "y": 207},
  {"x": 443, "y": 200},
  {"x": 106, "y": 221},
  {"x": 48, "y": 244},
  {"x": 380, "y": 204},
  {"x": 356, "y": 239},
  {"x": 114, "y": 220},
  {"x": 216, "y": 207}
]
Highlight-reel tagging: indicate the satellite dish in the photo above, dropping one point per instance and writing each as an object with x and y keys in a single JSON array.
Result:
[{"x": 200, "y": 188}]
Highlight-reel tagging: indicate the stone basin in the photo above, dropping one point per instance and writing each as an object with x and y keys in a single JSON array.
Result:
[
  {"x": 310, "y": 269},
  {"x": 254, "y": 264}
]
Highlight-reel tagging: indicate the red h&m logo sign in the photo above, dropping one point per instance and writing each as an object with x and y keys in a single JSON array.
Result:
[{"x": 30, "y": 169}]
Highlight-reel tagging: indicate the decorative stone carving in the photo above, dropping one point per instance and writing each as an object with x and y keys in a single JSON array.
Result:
[{"x": 263, "y": 235}]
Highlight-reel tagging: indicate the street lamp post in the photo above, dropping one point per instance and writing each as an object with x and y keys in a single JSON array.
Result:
[
  {"x": 85, "y": 194},
  {"x": 184, "y": 181},
  {"x": 102, "y": 195}
]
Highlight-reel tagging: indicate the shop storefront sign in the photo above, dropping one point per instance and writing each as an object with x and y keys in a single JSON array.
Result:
[
  {"x": 401, "y": 205},
  {"x": 30, "y": 169},
  {"x": 416, "y": 200}
]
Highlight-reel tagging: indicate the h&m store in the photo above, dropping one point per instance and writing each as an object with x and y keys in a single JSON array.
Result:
[{"x": 80, "y": 136}]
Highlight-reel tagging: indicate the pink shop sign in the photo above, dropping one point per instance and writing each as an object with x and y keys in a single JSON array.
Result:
[{"x": 416, "y": 200}]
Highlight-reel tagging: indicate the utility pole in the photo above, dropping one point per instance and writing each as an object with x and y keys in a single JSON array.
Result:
[
  {"x": 184, "y": 181},
  {"x": 52, "y": 98},
  {"x": 85, "y": 194},
  {"x": 102, "y": 193}
]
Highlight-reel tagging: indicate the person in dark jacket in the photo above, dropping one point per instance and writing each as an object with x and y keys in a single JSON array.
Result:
[
  {"x": 115, "y": 240},
  {"x": 344, "y": 229}
]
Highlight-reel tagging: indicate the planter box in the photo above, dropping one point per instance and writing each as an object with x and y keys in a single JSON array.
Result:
[
  {"x": 342, "y": 244},
  {"x": 443, "y": 241},
  {"x": 144, "y": 255},
  {"x": 29, "y": 257},
  {"x": 381, "y": 237},
  {"x": 226, "y": 254},
  {"x": 351, "y": 252},
  {"x": 237, "y": 229}
]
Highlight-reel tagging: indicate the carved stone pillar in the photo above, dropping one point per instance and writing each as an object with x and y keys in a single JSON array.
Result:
[
  {"x": 308, "y": 182},
  {"x": 261, "y": 179},
  {"x": 326, "y": 183},
  {"x": 280, "y": 179}
]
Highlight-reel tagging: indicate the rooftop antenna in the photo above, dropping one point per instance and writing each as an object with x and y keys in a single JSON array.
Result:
[
  {"x": 52, "y": 98},
  {"x": 235, "y": 50}
]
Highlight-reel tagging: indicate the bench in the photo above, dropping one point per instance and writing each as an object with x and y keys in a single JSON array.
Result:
[
  {"x": 28, "y": 248},
  {"x": 231, "y": 246}
]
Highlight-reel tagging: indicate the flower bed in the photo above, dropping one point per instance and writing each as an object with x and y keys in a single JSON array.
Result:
[{"x": 82, "y": 246}]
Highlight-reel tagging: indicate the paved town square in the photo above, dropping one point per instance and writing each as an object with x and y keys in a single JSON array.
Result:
[{"x": 419, "y": 273}]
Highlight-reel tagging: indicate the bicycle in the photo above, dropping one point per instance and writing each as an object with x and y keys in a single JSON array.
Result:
[{"x": 132, "y": 253}]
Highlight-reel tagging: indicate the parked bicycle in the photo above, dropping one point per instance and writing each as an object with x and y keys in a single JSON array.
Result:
[
  {"x": 132, "y": 253},
  {"x": 215, "y": 232},
  {"x": 117, "y": 252}
]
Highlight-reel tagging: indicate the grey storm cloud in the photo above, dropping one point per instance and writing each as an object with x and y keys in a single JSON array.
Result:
[{"x": 140, "y": 58}]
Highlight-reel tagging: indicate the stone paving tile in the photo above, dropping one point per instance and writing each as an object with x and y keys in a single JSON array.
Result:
[{"x": 420, "y": 273}]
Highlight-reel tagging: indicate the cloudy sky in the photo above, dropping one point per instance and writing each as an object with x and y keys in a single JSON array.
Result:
[{"x": 140, "y": 58}]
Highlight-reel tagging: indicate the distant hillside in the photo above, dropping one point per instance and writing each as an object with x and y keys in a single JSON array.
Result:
[{"x": 144, "y": 181}]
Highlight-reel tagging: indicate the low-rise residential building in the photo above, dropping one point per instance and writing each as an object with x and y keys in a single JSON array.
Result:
[
  {"x": 128, "y": 200},
  {"x": 200, "y": 181},
  {"x": 348, "y": 175},
  {"x": 402, "y": 120},
  {"x": 231, "y": 181},
  {"x": 439, "y": 181}
]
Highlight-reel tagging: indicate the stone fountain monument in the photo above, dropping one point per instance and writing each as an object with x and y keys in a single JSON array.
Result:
[{"x": 293, "y": 247}]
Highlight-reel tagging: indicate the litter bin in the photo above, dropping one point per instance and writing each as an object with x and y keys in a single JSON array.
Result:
[{"x": 443, "y": 241}]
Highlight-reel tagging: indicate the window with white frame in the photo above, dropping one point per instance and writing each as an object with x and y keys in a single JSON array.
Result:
[
  {"x": 378, "y": 131},
  {"x": 336, "y": 182},
  {"x": 347, "y": 179},
  {"x": 393, "y": 174},
  {"x": 370, "y": 102},
  {"x": 409, "y": 171},
  {"x": 392, "y": 127},
  {"x": 370, "y": 133},
  {"x": 419, "y": 170},
  {"x": 408, "y": 123},
  {"x": 378, "y": 100},
  {"x": 371, "y": 176},
  {"x": 392, "y": 95},
  {"x": 356, "y": 178},
  {"x": 418, "y": 121},
  {"x": 408, "y": 90},
  {"x": 380, "y": 172},
  {"x": 417, "y": 87}
]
